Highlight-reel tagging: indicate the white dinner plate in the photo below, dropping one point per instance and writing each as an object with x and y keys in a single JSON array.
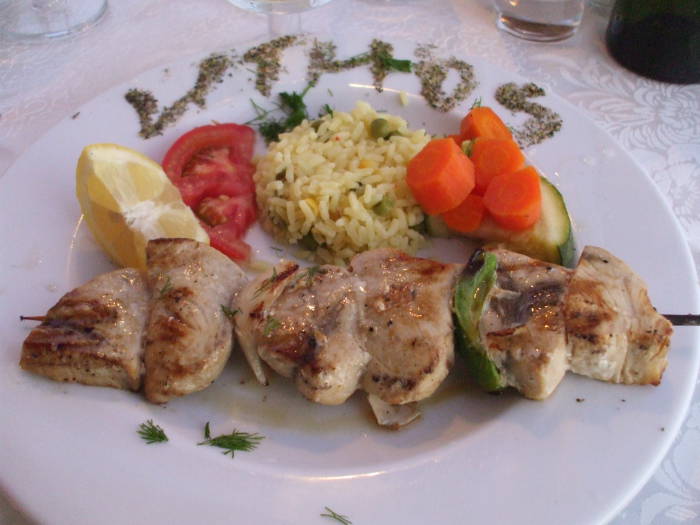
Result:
[{"x": 70, "y": 453}]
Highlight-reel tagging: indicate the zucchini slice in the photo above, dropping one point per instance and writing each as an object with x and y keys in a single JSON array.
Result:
[{"x": 551, "y": 239}]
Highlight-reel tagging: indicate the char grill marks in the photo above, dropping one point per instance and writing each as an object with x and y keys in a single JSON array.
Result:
[
  {"x": 406, "y": 324},
  {"x": 522, "y": 327},
  {"x": 169, "y": 326},
  {"x": 93, "y": 334},
  {"x": 541, "y": 320},
  {"x": 383, "y": 325},
  {"x": 189, "y": 336},
  {"x": 614, "y": 332},
  {"x": 302, "y": 322}
]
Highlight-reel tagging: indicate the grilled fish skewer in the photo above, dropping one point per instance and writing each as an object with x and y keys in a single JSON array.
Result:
[
  {"x": 114, "y": 329},
  {"x": 531, "y": 356},
  {"x": 610, "y": 329}
]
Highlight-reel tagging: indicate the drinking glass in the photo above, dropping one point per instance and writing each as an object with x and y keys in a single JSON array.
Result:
[
  {"x": 45, "y": 19},
  {"x": 283, "y": 16},
  {"x": 280, "y": 7},
  {"x": 539, "y": 20}
]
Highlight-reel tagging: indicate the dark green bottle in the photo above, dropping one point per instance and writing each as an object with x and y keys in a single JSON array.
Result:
[{"x": 659, "y": 39}]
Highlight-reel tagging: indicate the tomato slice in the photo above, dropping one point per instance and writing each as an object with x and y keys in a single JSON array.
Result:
[
  {"x": 238, "y": 140},
  {"x": 212, "y": 184},
  {"x": 212, "y": 168},
  {"x": 214, "y": 211},
  {"x": 228, "y": 242}
]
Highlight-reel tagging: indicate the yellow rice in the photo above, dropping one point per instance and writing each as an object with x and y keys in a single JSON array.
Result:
[{"x": 326, "y": 181}]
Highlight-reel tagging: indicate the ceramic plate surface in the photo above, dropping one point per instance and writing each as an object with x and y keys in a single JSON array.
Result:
[{"x": 70, "y": 453}]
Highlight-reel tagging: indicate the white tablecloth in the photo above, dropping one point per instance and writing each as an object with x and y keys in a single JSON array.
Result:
[{"x": 41, "y": 83}]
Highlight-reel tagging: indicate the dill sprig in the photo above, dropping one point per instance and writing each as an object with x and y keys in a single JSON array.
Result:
[
  {"x": 166, "y": 287},
  {"x": 233, "y": 442},
  {"x": 294, "y": 109},
  {"x": 309, "y": 274},
  {"x": 228, "y": 312},
  {"x": 266, "y": 283},
  {"x": 151, "y": 433},
  {"x": 335, "y": 516},
  {"x": 271, "y": 325}
]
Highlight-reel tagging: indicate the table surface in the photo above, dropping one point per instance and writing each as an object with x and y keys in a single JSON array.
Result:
[{"x": 659, "y": 124}]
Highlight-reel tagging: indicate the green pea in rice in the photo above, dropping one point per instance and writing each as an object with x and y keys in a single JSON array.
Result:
[{"x": 335, "y": 191}]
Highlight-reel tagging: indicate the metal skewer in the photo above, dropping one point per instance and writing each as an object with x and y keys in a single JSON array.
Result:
[{"x": 683, "y": 320}]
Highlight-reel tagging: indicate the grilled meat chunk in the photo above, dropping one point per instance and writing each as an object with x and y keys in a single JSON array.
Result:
[
  {"x": 614, "y": 332},
  {"x": 93, "y": 334},
  {"x": 522, "y": 327},
  {"x": 189, "y": 335},
  {"x": 406, "y": 324},
  {"x": 253, "y": 301},
  {"x": 302, "y": 322}
]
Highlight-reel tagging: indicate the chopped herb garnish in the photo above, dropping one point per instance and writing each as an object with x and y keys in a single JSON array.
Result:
[
  {"x": 311, "y": 272},
  {"x": 228, "y": 312},
  {"x": 393, "y": 64},
  {"x": 260, "y": 112},
  {"x": 476, "y": 103},
  {"x": 291, "y": 104},
  {"x": 166, "y": 288},
  {"x": 337, "y": 517},
  {"x": 266, "y": 283},
  {"x": 271, "y": 325},
  {"x": 271, "y": 130},
  {"x": 151, "y": 433},
  {"x": 277, "y": 249},
  {"x": 233, "y": 442},
  {"x": 326, "y": 110}
]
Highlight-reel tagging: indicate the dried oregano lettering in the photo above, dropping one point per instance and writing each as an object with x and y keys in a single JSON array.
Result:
[
  {"x": 322, "y": 59},
  {"x": 543, "y": 122},
  {"x": 432, "y": 72},
  {"x": 267, "y": 58},
  {"x": 211, "y": 71}
]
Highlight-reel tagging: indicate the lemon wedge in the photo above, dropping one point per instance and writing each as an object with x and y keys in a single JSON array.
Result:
[{"x": 127, "y": 199}]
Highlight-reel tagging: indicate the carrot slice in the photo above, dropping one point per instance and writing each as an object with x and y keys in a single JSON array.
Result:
[
  {"x": 440, "y": 176},
  {"x": 514, "y": 199},
  {"x": 467, "y": 216},
  {"x": 483, "y": 122},
  {"x": 457, "y": 138},
  {"x": 493, "y": 157}
]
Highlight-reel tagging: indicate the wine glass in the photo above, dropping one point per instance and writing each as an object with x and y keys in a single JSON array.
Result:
[
  {"x": 282, "y": 15},
  {"x": 280, "y": 7},
  {"x": 47, "y": 19}
]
